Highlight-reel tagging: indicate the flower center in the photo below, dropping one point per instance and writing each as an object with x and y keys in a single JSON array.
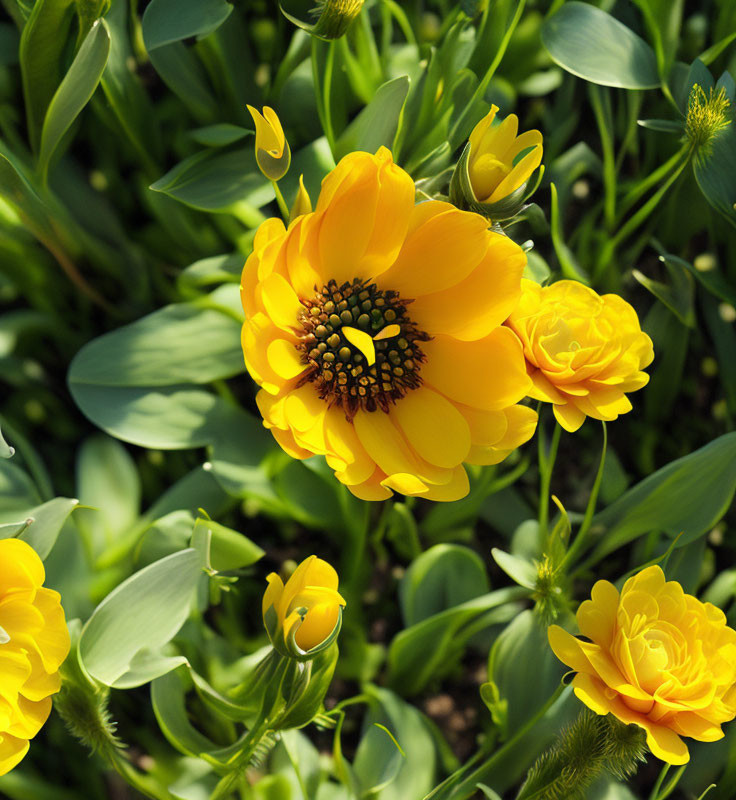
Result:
[{"x": 361, "y": 346}]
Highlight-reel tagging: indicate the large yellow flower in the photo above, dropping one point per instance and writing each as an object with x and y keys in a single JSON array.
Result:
[
  {"x": 34, "y": 641},
  {"x": 658, "y": 658},
  {"x": 373, "y": 326},
  {"x": 584, "y": 350},
  {"x": 306, "y": 611}
]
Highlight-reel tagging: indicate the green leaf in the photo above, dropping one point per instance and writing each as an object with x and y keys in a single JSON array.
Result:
[
  {"x": 42, "y": 45},
  {"x": 444, "y": 576},
  {"x": 75, "y": 90},
  {"x": 377, "y": 755},
  {"x": 180, "y": 343},
  {"x": 142, "y": 614},
  {"x": 89, "y": 11},
  {"x": 519, "y": 569},
  {"x": 213, "y": 181},
  {"x": 664, "y": 20},
  {"x": 229, "y": 549},
  {"x": 595, "y": 46},
  {"x": 107, "y": 480},
  {"x": 9, "y": 530},
  {"x": 687, "y": 496},
  {"x": 180, "y": 70},
  {"x": 524, "y": 669},
  {"x": 167, "y": 21},
  {"x": 6, "y": 451},
  {"x": 219, "y": 135},
  {"x": 48, "y": 520},
  {"x": 662, "y": 125},
  {"x": 679, "y": 296},
  {"x": 378, "y": 122},
  {"x": 427, "y": 649}
]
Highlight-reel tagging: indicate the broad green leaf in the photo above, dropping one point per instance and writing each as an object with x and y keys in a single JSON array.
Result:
[
  {"x": 444, "y": 576},
  {"x": 6, "y": 451},
  {"x": 18, "y": 494},
  {"x": 48, "y": 520},
  {"x": 220, "y": 135},
  {"x": 107, "y": 480},
  {"x": 142, "y": 614},
  {"x": 688, "y": 496},
  {"x": 75, "y": 90},
  {"x": 519, "y": 569},
  {"x": 427, "y": 649},
  {"x": 180, "y": 70},
  {"x": 9, "y": 530},
  {"x": 377, "y": 754},
  {"x": 670, "y": 339},
  {"x": 595, "y": 46},
  {"x": 180, "y": 343},
  {"x": 146, "y": 666},
  {"x": 212, "y": 270},
  {"x": 377, "y": 123},
  {"x": 724, "y": 339},
  {"x": 524, "y": 669},
  {"x": 229, "y": 549},
  {"x": 213, "y": 181},
  {"x": 167, "y": 21},
  {"x": 42, "y": 46}
]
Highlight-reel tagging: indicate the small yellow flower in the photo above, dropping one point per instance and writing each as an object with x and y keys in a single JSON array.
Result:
[
  {"x": 584, "y": 351},
  {"x": 374, "y": 328},
  {"x": 303, "y": 617},
  {"x": 272, "y": 150},
  {"x": 34, "y": 641},
  {"x": 658, "y": 658},
  {"x": 495, "y": 167}
]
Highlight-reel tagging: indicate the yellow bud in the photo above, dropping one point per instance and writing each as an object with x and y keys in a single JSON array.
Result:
[
  {"x": 303, "y": 616},
  {"x": 302, "y": 203},
  {"x": 272, "y": 150},
  {"x": 335, "y": 17}
]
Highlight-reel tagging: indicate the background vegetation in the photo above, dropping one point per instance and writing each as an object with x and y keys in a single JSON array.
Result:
[{"x": 129, "y": 198}]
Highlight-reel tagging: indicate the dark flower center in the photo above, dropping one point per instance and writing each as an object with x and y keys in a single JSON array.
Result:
[{"x": 344, "y": 329}]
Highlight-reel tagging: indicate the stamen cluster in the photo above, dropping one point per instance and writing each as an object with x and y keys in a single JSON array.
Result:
[{"x": 342, "y": 372}]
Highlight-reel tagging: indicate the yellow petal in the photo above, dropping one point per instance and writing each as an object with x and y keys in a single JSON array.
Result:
[
  {"x": 302, "y": 203},
  {"x": 433, "y": 426},
  {"x": 388, "y": 332},
  {"x": 362, "y": 341},
  {"x": 20, "y": 566},
  {"x": 12, "y": 752},
  {"x": 487, "y": 374},
  {"x": 481, "y": 302},
  {"x": 569, "y": 417},
  {"x": 284, "y": 359},
  {"x": 441, "y": 252},
  {"x": 281, "y": 302}
]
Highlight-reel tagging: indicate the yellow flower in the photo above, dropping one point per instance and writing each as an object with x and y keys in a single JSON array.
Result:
[
  {"x": 302, "y": 201},
  {"x": 494, "y": 169},
  {"x": 583, "y": 350},
  {"x": 307, "y": 612},
  {"x": 373, "y": 326},
  {"x": 34, "y": 641},
  {"x": 272, "y": 150},
  {"x": 659, "y": 658}
]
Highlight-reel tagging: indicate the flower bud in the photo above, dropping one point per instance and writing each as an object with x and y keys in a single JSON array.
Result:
[
  {"x": 302, "y": 203},
  {"x": 707, "y": 115},
  {"x": 333, "y": 17},
  {"x": 304, "y": 616},
  {"x": 272, "y": 150},
  {"x": 494, "y": 170}
]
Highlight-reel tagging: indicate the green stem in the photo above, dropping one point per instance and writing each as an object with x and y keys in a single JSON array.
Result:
[
  {"x": 672, "y": 785},
  {"x": 643, "y": 186},
  {"x": 32, "y": 460},
  {"x": 283, "y": 208},
  {"x": 397, "y": 12},
  {"x": 638, "y": 219},
  {"x": 323, "y": 88},
  {"x": 579, "y": 542},
  {"x": 546, "y": 465},
  {"x": 660, "y": 780},
  {"x": 609, "y": 160},
  {"x": 459, "y": 132},
  {"x": 142, "y": 783}
]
